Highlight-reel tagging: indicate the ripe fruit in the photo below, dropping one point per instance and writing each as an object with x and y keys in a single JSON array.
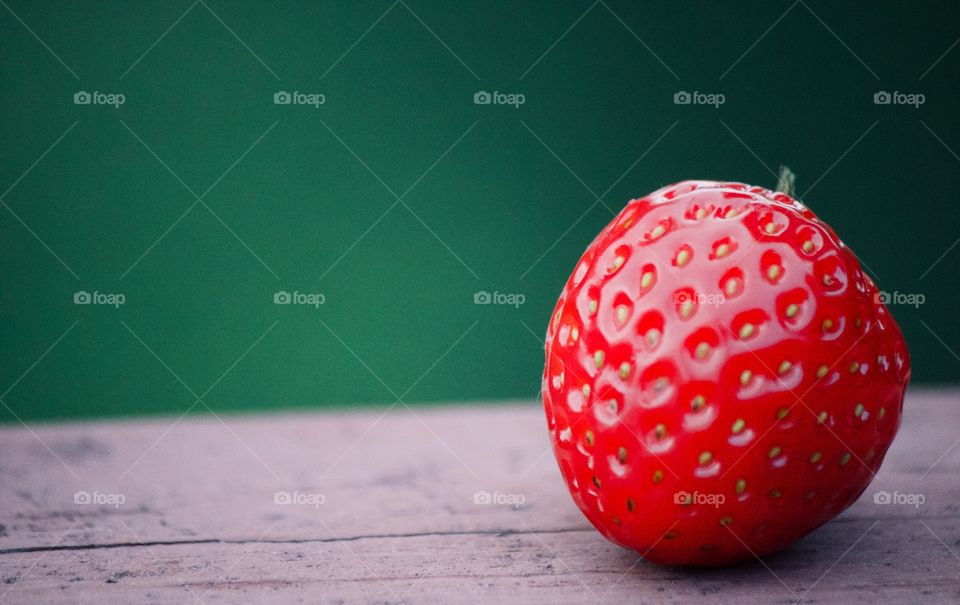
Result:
[{"x": 721, "y": 377}]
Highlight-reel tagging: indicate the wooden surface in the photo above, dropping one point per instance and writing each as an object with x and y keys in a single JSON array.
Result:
[{"x": 385, "y": 511}]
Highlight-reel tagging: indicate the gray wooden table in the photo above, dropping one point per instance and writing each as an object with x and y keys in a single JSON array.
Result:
[{"x": 437, "y": 504}]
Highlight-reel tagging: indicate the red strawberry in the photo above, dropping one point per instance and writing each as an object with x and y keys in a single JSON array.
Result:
[{"x": 721, "y": 378}]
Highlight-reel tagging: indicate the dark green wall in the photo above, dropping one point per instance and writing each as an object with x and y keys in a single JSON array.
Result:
[{"x": 499, "y": 212}]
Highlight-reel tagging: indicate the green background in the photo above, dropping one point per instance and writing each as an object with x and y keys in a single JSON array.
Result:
[{"x": 508, "y": 208}]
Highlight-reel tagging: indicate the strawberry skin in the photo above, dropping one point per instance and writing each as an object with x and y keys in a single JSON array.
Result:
[{"x": 721, "y": 378}]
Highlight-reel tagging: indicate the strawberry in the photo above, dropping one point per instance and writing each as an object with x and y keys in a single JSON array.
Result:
[{"x": 721, "y": 377}]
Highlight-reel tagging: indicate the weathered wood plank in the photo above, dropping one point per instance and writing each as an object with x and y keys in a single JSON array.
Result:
[
  {"x": 385, "y": 511},
  {"x": 893, "y": 562}
]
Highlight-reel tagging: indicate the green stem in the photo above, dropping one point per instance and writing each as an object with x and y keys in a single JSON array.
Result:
[{"x": 787, "y": 182}]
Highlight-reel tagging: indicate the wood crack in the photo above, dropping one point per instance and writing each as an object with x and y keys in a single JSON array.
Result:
[{"x": 111, "y": 545}]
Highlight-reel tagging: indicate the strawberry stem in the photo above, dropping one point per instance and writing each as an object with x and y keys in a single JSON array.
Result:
[{"x": 786, "y": 183}]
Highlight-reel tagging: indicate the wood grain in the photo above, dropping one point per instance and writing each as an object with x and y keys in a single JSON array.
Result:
[{"x": 383, "y": 510}]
